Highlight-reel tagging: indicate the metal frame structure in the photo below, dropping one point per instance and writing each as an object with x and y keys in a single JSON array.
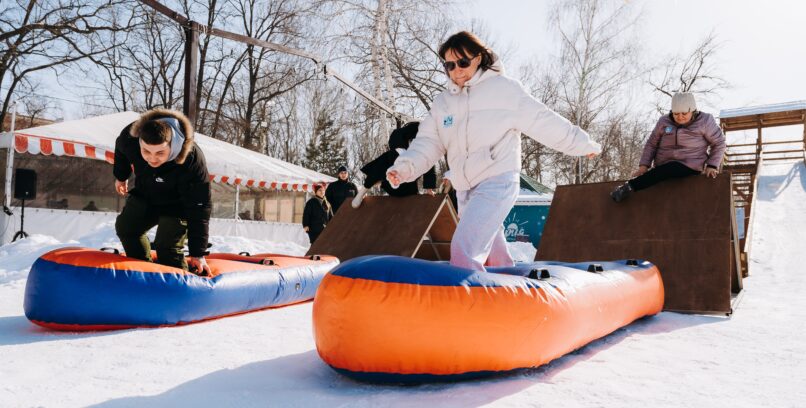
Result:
[{"x": 192, "y": 30}]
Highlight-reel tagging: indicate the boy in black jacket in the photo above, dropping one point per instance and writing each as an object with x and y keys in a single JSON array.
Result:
[
  {"x": 171, "y": 190},
  {"x": 375, "y": 170}
]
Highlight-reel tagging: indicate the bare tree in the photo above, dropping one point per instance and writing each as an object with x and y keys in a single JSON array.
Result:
[
  {"x": 588, "y": 84},
  {"x": 545, "y": 87},
  {"x": 39, "y": 107},
  {"x": 392, "y": 44},
  {"x": 142, "y": 68},
  {"x": 43, "y": 35},
  {"x": 326, "y": 149},
  {"x": 696, "y": 72},
  {"x": 253, "y": 77}
]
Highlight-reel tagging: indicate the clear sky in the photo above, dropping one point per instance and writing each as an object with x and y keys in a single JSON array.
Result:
[{"x": 764, "y": 42}]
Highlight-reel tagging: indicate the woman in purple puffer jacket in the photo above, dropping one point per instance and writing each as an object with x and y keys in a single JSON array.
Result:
[{"x": 684, "y": 143}]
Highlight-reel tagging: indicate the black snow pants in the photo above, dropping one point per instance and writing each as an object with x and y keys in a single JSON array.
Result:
[{"x": 663, "y": 172}]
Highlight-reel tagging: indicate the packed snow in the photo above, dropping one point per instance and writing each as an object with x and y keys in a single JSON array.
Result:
[{"x": 754, "y": 358}]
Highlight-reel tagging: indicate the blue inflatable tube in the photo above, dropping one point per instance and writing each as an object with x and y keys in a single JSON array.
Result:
[{"x": 81, "y": 289}]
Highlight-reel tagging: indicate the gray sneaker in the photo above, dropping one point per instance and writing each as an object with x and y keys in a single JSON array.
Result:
[
  {"x": 359, "y": 197},
  {"x": 621, "y": 192}
]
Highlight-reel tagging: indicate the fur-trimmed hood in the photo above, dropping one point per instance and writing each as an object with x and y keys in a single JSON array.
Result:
[{"x": 160, "y": 113}]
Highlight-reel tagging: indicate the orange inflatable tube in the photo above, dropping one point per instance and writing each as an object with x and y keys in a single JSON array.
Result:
[{"x": 386, "y": 318}]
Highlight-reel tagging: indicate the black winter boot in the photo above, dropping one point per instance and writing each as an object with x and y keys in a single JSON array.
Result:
[{"x": 621, "y": 192}]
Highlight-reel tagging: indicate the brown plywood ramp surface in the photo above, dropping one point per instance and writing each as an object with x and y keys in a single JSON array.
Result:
[
  {"x": 416, "y": 226},
  {"x": 683, "y": 226}
]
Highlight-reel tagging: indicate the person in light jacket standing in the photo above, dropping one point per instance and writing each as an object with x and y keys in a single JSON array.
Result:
[
  {"x": 684, "y": 143},
  {"x": 478, "y": 122}
]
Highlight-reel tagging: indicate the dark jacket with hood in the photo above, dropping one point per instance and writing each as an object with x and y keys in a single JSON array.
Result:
[
  {"x": 178, "y": 188},
  {"x": 338, "y": 191}
]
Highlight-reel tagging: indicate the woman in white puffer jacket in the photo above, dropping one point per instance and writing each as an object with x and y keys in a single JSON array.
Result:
[{"x": 478, "y": 122}]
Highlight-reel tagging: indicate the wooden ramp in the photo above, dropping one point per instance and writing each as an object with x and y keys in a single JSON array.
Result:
[
  {"x": 418, "y": 226},
  {"x": 686, "y": 227}
]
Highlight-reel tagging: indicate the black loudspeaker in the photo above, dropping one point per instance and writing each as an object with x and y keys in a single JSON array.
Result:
[{"x": 25, "y": 184}]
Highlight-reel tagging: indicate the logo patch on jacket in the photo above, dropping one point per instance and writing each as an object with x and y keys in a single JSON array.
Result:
[
  {"x": 447, "y": 121},
  {"x": 668, "y": 130},
  {"x": 159, "y": 180}
]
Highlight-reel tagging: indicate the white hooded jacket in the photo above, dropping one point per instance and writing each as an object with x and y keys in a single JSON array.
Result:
[{"x": 479, "y": 126}]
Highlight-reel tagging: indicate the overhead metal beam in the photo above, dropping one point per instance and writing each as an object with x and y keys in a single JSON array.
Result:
[{"x": 196, "y": 27}]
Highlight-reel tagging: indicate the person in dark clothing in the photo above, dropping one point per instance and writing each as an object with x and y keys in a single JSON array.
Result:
[
  {"x": 375, "y": 170},
  {"x": 316, "y": 214},
  {"x": 90, "y": 206},
  {"x": 340, "y": 190},
  {"x": 171, "y": 190},
  {"x": 684, "y": 143}
]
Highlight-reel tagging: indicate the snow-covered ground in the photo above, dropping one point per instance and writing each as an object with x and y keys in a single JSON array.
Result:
[{"x": 755, "y": 358}]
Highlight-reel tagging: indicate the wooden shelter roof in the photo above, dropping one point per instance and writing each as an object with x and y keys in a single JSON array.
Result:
[{"x": 781, "y": 114}]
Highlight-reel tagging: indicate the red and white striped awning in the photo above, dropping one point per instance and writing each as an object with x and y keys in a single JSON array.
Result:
[
  {"x": 24, "y": 143},
  {"x": 268, "y": 185},
  {"x": 227, "y": 164}
]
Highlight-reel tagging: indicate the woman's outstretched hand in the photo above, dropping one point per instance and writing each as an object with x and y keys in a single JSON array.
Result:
[{"x": 393, "y": 178}]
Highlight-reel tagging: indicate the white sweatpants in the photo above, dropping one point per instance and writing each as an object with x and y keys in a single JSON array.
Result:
[{"x": 479, "y": 237}]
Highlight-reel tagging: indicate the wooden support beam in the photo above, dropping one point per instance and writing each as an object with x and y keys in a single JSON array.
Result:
[
  {"x": 798, "y": 157},
  {"x": 804, "y": 133},
  {"x": 741, "y": 167},
  {"x": 782, "y": 142},
  {"x": 740, "y": 193},
  {"x": 766, "y": 152},
  {"x": 758, "y": 141}
]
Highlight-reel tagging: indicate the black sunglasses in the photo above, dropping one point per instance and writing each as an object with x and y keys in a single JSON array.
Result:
[{"x": 463, "y": 62}]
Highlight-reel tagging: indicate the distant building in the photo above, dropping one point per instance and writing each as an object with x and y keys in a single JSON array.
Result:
[{"x": 23, "y": 122}]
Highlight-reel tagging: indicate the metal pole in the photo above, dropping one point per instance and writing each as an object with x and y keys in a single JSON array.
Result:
[
  {"x": 237, "y": 200},
  {"x": 191, "y": 70},
  {"x": 10, "y": 157}
]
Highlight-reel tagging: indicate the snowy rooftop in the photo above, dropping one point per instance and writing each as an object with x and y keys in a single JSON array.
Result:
[
  {"x": 526, "y": 196},
  {"x": 762, "y": 109}
]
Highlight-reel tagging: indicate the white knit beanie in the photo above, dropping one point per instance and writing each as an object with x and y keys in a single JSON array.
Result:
[{"x": 683, "y": 102}]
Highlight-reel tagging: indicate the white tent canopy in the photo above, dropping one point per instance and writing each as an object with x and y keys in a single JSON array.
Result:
[{"x": 94, "y": 138}]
